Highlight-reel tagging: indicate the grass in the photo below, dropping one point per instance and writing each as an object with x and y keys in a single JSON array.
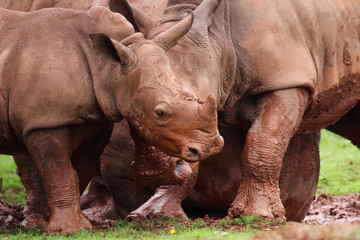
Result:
[
  {"x": 340, "y": 165},
  {"x": 248, "y": 221},
  {"x": 143, "y": 230},
  {"x": 339, "y": 175},
  {"x": 13, "y": 190}
]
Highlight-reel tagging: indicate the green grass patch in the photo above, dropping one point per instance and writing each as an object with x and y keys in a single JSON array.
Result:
[
  {"x": 13, "y": 189},
  {"x": 247, "y": 221},
  {"x": 339, "y": 175},
  {"x": 339, "y": 166},
  {"x": 149, "y": 229}
]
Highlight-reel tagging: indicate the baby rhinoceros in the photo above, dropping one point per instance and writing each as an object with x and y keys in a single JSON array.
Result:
[{"x": 63, "y": 84}]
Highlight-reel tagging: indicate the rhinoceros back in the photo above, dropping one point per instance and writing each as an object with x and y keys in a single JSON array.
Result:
[{"x": 44, "y": 71}]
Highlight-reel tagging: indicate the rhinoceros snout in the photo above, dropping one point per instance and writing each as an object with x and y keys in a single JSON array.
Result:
[
  {"x": 191, "y": 154},
  {"x": 196, "y": 152}
]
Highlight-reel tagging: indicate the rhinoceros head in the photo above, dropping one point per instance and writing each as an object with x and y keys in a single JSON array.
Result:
[{"x": 153, "y": 99}]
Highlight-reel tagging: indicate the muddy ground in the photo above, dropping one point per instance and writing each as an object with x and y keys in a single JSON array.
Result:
[{"x": 327, "y": 215}]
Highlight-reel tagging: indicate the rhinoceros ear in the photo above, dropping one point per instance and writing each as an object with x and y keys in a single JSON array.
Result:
[
  {"x": 123, "y": 7},
  {"x": 141, "y": 21},
  {"x": 111, "y": 50},
  {"x": 203, "y": 16}
]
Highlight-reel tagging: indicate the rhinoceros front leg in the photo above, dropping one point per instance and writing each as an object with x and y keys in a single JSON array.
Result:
[
  {"x": 275, "y": 118},
  {"x": 166, "y": 202},
  {"x": 51, "y": 151}
]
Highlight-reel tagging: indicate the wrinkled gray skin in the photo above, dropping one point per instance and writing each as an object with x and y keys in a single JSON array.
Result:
[{"x": 276, "y": 69}]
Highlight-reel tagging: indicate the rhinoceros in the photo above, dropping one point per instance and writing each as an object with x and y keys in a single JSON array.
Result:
[
  {"x": 211, "y": 188},
  {"x": 275, "y": 68},
  {"x": 61, "y": 92}
]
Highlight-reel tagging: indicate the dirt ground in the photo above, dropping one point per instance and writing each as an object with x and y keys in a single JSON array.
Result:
[{"x": 327, "y": 215}]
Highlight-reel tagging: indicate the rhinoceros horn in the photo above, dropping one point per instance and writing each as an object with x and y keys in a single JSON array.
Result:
[
  {"x": 203, "y": 16},
  {"x": 208, "y": 108},
  {"x": 169, "y": 38}
]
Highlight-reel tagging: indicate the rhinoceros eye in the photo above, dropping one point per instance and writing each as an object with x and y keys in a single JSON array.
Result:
[{"x": 160, "y": 113}]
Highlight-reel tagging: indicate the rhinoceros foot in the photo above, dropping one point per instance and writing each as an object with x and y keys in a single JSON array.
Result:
[
  {"x": 257, "y": 199},
  {"x": 160, "y": 205},
  {"x": 33, "y": 221},
  {"x": 66, "y": 221}
]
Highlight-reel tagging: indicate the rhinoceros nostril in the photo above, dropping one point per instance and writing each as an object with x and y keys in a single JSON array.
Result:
[{"x": 194, "y": 153}]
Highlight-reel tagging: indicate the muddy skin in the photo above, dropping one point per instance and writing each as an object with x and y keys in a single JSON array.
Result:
[
  {"x": 153, "y": 167},
  {"x": 277, "y": 74},
  {"x": 216, "y": 183},
  {"x": 36, "y": 211},
  {"x": 215, "y": 187},
  {"x": 248, "y": 90},
  {"x": 154, "y": 101}
]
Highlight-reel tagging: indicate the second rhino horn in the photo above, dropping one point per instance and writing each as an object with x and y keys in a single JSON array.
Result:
[
  {"x": 208, "y": 108},
  {"x": 170, "y": 37}
]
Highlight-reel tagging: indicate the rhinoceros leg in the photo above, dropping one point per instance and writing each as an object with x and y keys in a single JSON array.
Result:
[
  {"x": 51, "y": 151},
  {"x": 275, "y": 117},
  {"x": 166, "y": 202},
  {"x": 299, "y": 175},
  {"x": 96, "y": 195},
  {"x": 86, "y": 159},
  {"x": 36, "y": 209}
]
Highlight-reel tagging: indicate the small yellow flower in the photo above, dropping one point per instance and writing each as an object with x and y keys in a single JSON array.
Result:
[{"x": 172, "y": 231}]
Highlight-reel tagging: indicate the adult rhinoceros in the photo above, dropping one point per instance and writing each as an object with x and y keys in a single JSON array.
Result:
[
  {"x": 276, "y": 68},
  {"x": 59, "y": 98}
]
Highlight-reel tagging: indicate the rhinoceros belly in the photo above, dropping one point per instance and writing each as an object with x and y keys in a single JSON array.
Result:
[
  {"x": 8, "y": 142},
  {"x": 329, "y": 106}
]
